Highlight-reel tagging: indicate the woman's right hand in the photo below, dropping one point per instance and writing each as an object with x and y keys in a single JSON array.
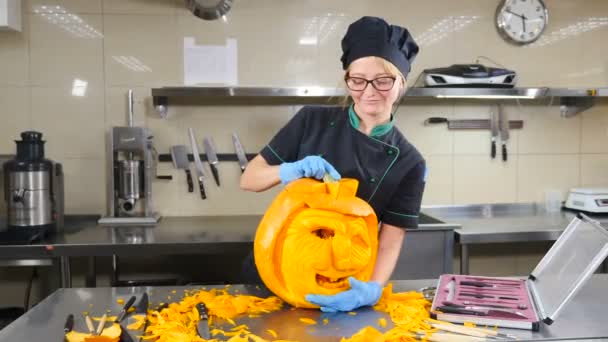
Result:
[{"x": 311, "y": 166}]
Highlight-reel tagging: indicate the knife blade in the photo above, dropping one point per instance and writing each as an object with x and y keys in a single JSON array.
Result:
[
  {"x": 504, "y": 130},
  {"x": 210, "y": 152},
  {"x": 69, "y": 323},
  {"x": 494, "y": 127},
  {"x": 202, "y": 327},
  {"x": 142, "y": 308},
  {"x": 240, "y": 152},
  {"x": 198, "y": 164},
  {"x": 124, "y": 310}
]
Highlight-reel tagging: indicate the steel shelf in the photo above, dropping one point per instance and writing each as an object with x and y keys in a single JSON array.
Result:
[{"x": 572, "y": 100}]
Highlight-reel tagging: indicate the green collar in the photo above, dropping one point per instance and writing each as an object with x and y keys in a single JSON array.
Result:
[{"x": 377, "y": 131}]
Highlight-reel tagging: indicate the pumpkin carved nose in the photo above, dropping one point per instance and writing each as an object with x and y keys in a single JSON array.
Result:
[{"x": 341, "y": 250}]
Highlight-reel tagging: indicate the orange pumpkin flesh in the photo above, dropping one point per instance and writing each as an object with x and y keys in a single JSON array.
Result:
[{"x": 313, "y": 237}]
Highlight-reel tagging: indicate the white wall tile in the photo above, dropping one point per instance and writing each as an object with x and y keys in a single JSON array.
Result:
[
  {"x": 15, "y": 116},
  {"x": 594, "y": 133},
  {"x": 440, "y": 183},
  {"x": 545, "y": 131},
  {"x": 73, "y": 126},
  {"x": 537, "y": 174},
  {"x": 593, "y": 170},
  {"x": 69, "y": 6},
  {"x": 14, "y": 56},
  {"x": 141, "y": 6},
  {"x": 141, "y": 50},
  {"x": 60, "y": 53},
  {"x": 479, "y": 179}
]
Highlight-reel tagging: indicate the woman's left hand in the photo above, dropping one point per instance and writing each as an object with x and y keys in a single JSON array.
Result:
[{"x": 361, "y": 293}]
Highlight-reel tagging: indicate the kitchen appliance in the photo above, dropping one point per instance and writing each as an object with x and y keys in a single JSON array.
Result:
[
  {"x": 33, "y": 191},
  {"x": 527, "y": 303},
  {"x": 592, "y": 199},
  {"x": 469, "y": 76},
  {"x": 131, "y": 167}
]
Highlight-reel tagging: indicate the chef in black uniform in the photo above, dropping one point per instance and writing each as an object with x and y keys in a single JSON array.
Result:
[{"x": 357, "y": 141}]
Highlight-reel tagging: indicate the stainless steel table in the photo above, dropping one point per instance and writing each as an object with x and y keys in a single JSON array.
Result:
[
  {"x": 502, "y": 223},
  {"x": 82, "y": 237},
  {"x": 583, "y": 318}
]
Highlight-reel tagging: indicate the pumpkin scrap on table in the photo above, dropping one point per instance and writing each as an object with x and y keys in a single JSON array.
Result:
[
  {"x": 313, "y": 237},
  {"x": 110, "y": 334}
]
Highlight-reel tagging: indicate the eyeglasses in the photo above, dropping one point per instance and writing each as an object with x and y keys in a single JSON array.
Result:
[{"x": 359, "y": 84}]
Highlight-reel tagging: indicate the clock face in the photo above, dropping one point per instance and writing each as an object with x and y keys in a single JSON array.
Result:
[{"x": 521, "y": 21}]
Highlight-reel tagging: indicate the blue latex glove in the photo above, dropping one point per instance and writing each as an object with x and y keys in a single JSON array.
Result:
[
  {"x": 311, "y": 166},
  {"x": 360, "y": 294}
]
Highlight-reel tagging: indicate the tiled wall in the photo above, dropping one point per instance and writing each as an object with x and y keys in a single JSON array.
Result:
[{"x": 38, "y": 68}]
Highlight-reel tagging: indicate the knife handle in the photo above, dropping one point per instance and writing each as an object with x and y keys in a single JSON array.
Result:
[
  {"x": 493, "y": 153},
  {"x": 69, "y": 323},
  {"x": 435, "y": 120},
  {"x": 504, "y": 152},
  {"x": 475, "y": 283},
  {"x": 216, "y": 174},
  {"x": 189, "y": 179},
  {"x": 449, "y": 309},
  {"x": 201, "y": 187}
]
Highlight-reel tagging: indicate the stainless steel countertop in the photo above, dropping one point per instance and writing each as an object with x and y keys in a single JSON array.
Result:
[
  {"x": 173, "y": 235},
  {"x": 583, "y": 318},
  {"x": 505, "y": 222}
]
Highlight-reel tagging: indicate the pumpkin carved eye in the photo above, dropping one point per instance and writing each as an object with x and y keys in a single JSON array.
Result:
[
  {"x": 323, "y": 233},
  {"x": 313, "y": 237}
]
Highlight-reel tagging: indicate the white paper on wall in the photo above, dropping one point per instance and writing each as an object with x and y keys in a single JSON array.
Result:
[{"x": 210, "y": 64}]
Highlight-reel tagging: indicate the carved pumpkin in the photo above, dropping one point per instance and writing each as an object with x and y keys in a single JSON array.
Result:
[{"x": 313, "y": 237}]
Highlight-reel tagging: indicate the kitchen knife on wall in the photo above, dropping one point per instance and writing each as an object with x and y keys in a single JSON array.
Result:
[
  {"x": 179, "y": 155},
  {"x": 504, "y": 131},
  {"x": 200, "y": 170},
  {"x": 211, "y": 153},
  {"x": 240, "y": 152},
  {"x": 494, "y": 128}
]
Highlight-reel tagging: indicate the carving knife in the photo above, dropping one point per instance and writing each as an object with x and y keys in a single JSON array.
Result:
[
  {"x": 504, "y": 131},
  {"x": 211, "y": 153},
  {"x": 142, "y": 309},
  {"x": 494, "y": 127},
  {"x": 202, "y": 327},
  {"x": 124, "y": 310},
  {"x": 200, "y": 171},
  {"x": 240, "y": 152},
  {"x": 479, "y": 311}
]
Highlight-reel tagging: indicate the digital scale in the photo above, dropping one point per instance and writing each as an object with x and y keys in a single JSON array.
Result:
[{"x": 592, "y": 200}]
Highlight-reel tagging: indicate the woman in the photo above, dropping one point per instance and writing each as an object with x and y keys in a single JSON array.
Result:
[{"x": 361, "y": 142}]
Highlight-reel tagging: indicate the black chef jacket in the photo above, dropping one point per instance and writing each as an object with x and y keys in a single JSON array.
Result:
[{"x": 391, "y": 172}]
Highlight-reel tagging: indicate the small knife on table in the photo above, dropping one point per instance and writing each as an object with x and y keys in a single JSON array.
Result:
[
  {"x": 202, "y": 327},
  {"x": 240, "y": 152},
  {"x": 124, "y": 310},
  {"x": 142, "y": 309},
  {"x": 69, "y": 323},
  {"x": 211, "y": 153},
  {"x": 200, "y": 171}
]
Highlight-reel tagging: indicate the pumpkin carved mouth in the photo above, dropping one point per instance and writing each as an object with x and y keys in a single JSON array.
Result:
[{"x": 331, "y": 283}]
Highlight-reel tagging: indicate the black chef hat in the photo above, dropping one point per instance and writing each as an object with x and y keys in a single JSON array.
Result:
[{"x": 372, "y": 36}]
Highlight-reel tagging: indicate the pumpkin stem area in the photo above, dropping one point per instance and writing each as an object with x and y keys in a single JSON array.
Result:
[{"x": 324, "y": 233}]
